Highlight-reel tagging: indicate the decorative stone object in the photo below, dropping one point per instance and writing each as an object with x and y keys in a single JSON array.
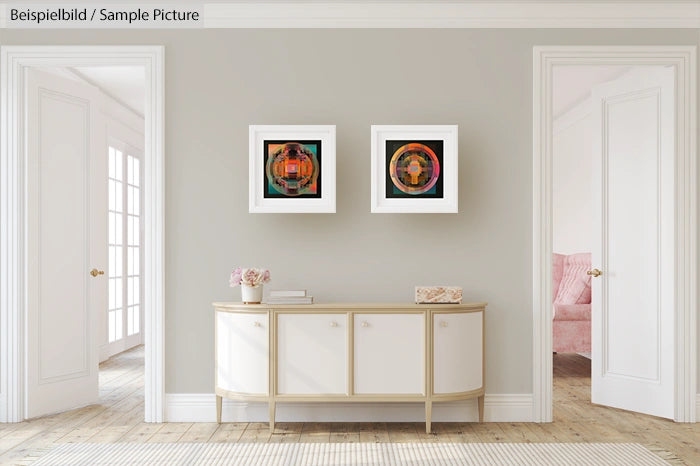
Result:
[{"x": 438, "y": 294}]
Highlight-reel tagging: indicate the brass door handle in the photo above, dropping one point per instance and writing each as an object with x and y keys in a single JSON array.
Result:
[
  {"x": 595, "y": 273},
  {"x": 95, "y": 272}
]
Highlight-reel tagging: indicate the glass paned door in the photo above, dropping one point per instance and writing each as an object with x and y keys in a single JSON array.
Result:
[
  {"x": 125, "y": 277},
  {"x": 133, "y": 216},
  {"x": 115, "y": 316}
]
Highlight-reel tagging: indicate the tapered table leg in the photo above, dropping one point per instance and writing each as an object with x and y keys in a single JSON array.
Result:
[
  {"x": 481, "y": 408},
  {"x": 272, "y": 415},
  {"x": 218, "y": 409},
  {"x": 428, "y": 415}
]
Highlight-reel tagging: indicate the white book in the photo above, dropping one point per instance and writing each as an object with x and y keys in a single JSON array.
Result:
[
  {"x": 288, "y": 293},
  {"x": 290, "y": 300}
]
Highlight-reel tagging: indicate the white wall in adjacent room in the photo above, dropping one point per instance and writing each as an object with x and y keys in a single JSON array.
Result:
[{"x": 571, "y": 189}]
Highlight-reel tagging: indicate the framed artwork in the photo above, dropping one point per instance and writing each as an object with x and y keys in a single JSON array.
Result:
[
  {"x": 291, "y": 169},
  {"x": 414, "y": 169}
]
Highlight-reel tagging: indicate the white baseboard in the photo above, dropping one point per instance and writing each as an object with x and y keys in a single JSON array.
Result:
[
  {"x": 697, "y": 407},
  {"x": 201, "y": 407}
]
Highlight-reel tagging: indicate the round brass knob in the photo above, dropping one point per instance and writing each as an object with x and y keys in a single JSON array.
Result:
[
  {"x": 95, "y": 272},
  {"x": 595, "y": 273}
]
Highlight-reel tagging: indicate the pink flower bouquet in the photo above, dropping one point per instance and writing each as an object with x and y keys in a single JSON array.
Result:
[{"x": 249, "y": 276}]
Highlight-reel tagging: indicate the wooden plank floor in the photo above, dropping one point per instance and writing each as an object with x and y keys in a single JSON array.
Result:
[{"x": 119, "y": 418}]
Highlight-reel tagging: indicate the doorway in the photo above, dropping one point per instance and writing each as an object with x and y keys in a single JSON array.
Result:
[
  {"x": 85, "y": 140},
  {"x": 682, "y": 280},
  {"x": 15, "y": 310},
  {"x": 612, "y": 147}
]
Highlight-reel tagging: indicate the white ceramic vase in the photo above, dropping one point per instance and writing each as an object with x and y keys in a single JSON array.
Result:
[{"x": 251, "y": 294}]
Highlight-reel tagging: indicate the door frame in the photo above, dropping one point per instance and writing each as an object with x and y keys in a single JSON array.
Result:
[
  {"x": 14, "y": 61},
  {"x": 683, "y": 58}
]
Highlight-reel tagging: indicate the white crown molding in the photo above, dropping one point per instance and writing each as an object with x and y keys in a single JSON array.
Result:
[
  {"x": 201, "y": 407},
  {"x": 77, "y": 74},
  {"x": 461, "y": 14}
]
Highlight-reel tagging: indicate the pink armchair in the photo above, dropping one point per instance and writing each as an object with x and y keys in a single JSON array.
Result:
[{"x": 571, "y": 291}]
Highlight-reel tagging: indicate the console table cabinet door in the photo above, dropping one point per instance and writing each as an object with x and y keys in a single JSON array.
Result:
[
  {"x": 311, "y": 354},
  {"x": 242, "y": 352},
  {"x": 389, "y": 353},
  {"x": 457, "y": 352}
]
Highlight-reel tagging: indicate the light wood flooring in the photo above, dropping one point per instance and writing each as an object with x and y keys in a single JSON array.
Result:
[{"x": 119, "y": 418}]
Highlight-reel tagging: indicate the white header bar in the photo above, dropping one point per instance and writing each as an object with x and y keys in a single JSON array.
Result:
[{"x": 359, "y": 14}]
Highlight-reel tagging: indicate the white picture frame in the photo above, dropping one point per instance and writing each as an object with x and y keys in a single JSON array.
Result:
[
  {"x": 383, "y": 203},
  {"x": 259, "y": 200}
]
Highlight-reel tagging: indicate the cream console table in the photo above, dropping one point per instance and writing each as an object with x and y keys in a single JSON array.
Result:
[{"x": 349, "y": 352}]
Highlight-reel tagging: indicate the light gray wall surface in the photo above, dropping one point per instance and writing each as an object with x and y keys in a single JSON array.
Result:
[{"x": 220, "y": 81}]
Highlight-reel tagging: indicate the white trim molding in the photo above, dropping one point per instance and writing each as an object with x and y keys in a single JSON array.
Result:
[
  {"x": 457, "y": 14},
  {"x": 14, "y": 60},
  {"x": 201, "y": 407},
  {"x": 683, "y": 58}
]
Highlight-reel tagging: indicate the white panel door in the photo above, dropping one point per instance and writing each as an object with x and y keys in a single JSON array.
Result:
[
  {"x": 312, "y": 354},
  {"x": 457, "y": 352},
  {"x": 242, "y": 342},
  {"x": 66, "y": 231},
  {"x": 389, "y": 353},
  {"x": 633, "y": 243}
]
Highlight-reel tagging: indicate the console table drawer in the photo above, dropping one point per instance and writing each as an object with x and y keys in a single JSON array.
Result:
[
  {"x": 311, "y": 354},
  {"x": 457, "y": 352},
  {"x": 389, "y": 353},
  {"x": 242, "y": 352}
]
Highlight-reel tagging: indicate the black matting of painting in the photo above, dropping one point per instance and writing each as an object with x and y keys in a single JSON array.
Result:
[
  {"x": 275, "y": 194},
  {"x": 391, "y": 147}
]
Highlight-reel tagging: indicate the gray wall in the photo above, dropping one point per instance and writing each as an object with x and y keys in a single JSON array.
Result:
[{"x": 220, "y": 81}]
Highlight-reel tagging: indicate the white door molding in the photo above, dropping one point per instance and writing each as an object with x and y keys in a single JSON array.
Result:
[
  {"x": 683, "y": 58},
  {"x": 13, "y": 216}
]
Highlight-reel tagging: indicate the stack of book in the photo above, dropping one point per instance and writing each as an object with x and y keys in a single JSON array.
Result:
[{"x": 289, "y": 297}]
